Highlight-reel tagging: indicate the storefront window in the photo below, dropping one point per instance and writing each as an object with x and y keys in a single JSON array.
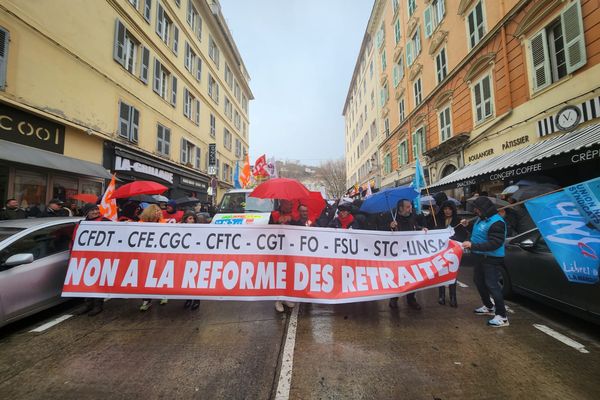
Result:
[
  {"x": 3, "y": 184},
  {"x": 30, "y": 189},
  {"x": 91, "y": 187},
  {"x": 64, "y": 188}
]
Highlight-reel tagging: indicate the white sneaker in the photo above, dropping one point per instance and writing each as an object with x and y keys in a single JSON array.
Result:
[
  {"x": 498, "y": 322},
  {"x": 483, "y": 310},
  {"x": 279, "y": 306},
  {"x": 145, "y": 305},
  {"x": 289, "y": 304},
  {"x": 163, "y": 301}
]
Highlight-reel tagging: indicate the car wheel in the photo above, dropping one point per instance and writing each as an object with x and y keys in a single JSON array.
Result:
[{"x": 505, "y": 283}]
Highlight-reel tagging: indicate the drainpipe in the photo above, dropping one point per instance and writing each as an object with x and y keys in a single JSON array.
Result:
[{"x": 505, "y": 55}]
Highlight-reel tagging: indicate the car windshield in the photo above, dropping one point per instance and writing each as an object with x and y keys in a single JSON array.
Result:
[
  {"x": 241, "y": 202},
  {"x": 5, "y": 233}
]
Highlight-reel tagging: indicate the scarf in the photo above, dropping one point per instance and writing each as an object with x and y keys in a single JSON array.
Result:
[{"x": 345, "y": 222}]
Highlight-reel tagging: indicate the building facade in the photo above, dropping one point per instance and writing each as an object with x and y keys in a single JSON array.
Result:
[
  {"x": 139, "y": 88},
  {"x": 472, "y": 80}
]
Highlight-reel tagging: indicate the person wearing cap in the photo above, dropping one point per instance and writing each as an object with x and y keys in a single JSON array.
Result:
[
  {"x": 344, "y": 218},
  {"x": 171, "y": 214},
  {"x": 487, "y": 244},
  {"x": 54, "y": 209},
  {"x": 93, "y": 306}
]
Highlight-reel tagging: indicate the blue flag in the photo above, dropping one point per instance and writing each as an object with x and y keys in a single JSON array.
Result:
[
  {"x": 574, "y": 243},
  {"x": 586, "y": 196},
  {"x": 418, "y": 184},
  {"x": 236, "y": 176}
]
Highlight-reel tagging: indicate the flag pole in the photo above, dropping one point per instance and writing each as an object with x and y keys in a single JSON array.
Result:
[{"x": 427, "y": 191}]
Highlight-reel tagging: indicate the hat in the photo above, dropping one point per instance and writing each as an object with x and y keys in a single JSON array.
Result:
[
  {"x": 172, "y": 203},
  {"x": 56, "y": 201},
  {"x": 510, "y": 190},
  {"x": 143, "y": 205},
  {"x": 345, "y": 207},
  {"x": 87, "y": 208}
]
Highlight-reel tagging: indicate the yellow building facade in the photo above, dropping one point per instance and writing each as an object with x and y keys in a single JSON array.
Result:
[{"x": 140, "y": 88}]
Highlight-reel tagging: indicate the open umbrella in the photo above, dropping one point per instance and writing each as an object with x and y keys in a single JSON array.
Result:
[
  {"x": 85, "y": 197},
  {"x": 281, "y": 188},
  {"x": 138, "y": 187},
  {"x": 187, "y": 200},
  {"x": 315, "y": 204},
  {"x": 385, "y": 200},
  {"x": 527, "y": 192},
  {"x": 495, "y": 201}
]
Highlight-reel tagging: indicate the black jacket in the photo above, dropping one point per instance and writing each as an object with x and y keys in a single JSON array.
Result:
[
  {"x": 13, "y": 213},
  {"x": 460, "y": 232},
  {"x": 496, "y": 234},
  {"x": 51, "y": 213}
]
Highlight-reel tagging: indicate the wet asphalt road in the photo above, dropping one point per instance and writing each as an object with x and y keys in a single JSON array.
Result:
[{"x": 233, "y": 350}]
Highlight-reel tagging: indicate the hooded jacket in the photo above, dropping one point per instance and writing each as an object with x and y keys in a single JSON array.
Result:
[
  {"x": 460, "y": 232},
  {"x": 496, "y": 234}
]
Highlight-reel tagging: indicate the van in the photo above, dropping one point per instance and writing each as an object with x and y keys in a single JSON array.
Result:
[{"x": 238, "y": 208}]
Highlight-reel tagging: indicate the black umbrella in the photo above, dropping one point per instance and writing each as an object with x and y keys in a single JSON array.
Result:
[
  {"x": 495, "y": 201},
  {"x": 527, "y": 192},
  {"x": 187, "y": 200}
]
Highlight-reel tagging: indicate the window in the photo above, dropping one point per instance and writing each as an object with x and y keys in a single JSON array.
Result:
[
  {"x": 372, "y": 98},
  {"x": 145, "y": 10},
  {"x": 419, "y": 144},
  {"x": 558, "y": 49},
  {"x": 237, "y": 92},
  {"x": 401, "y": 110},
  {"x": 418, "y": 92},
  {"x": 386, "y": 127},
  {"x": 41, "y": 243},
  {"x": 412, "y": 6},
  {"x": 476, "y": 25},
  {"x": 245, "y": 103},
  {"x": 193, "y": 20},
  {"x": 397, "y": 33},
  {"x": 190, "y": 58},
  {"x": 228, "y": 108},
  {"x": 226, "y": 139},
  {"x": 413, "y": 48},
  {"x": 160, "y": 85},
  {"x": 387, "y": 164},
  {"x": 379, "y": 37},
  {"x": 402, "y": 153},
  {"x": 127, "y": 51},
  {"x": 383, "y": 61},
  {"x": 398, "y": 71},
  {"x": 445, "y": 124},
  {"x": 482, "y": 95},
  {"x": 237, "y": 121},
  {"x": 191, "y": 106},
  {"x": 433, "y": 15},
  {"x": 213, "y": 125},
  {"x": 384, "y": 95},
  {"x": 213, "y": 51},
  {"x": 416, "y": 39},
  {"x": 228, "y": 76},
  {"x": 187, "y": 152},
  {"x": 4, "y": 36},
  {"x": 441, "y": 65},
  {"x": 213, "y": 89},
  {"x": 371, "y": 69},
  {"x": 197, "y": 158},
  {"x": 395, "y": 6},
  {"x": 163, "y": 140},
  {"x": 244, "y": 128},
  {"x": 129, "y": 120},
  {"x": 166, "y": 30},
  {"x": 238, "y": 148}
]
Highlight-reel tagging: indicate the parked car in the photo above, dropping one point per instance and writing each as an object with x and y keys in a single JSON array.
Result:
[
  {"x": 531, "y": 270},
  {"x": 34, "y": 255}
]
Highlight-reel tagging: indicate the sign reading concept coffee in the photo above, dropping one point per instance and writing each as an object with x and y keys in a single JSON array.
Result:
[{"x": 20, "y": 127}]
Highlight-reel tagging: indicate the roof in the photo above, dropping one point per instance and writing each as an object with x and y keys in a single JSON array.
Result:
[
  {"x": 31, "y": 222},
  {"x": 535, "y": 155}
]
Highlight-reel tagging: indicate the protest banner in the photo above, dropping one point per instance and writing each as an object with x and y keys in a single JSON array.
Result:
[
  {"x": 574, "y": 244},
  {"x": 586, "y": 197},
  {"x": 273, "y": 262}
]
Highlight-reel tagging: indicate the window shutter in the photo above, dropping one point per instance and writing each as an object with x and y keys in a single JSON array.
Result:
[
  {"x": 189, "y": 14},
  {"x": 183, "y": 152},
  {"x": 427, "y": 17},
  {"x": 160, "y": 20},
  {"x": 123, "y": 120},
  {"x": 441, "y": 10},
  {"x": 540, "y": 60},
  {"x": 396, "y": 74},
  {"x": 173, "y": 90},
  {"x": 167, "y": 141},
  {"x": 119, "y": 46},
  {"x": 572, "y": 28},
  {"x": 199, "y": 28},
  {"x": 175, "y": 39},
  {"x": 186, "y": 102},
  {"x": 145, "y": 64},
  {"x": 379, "y": 38},
  {"x": 156, "y": 81},
  {"x": 417, "y": 43},
  {"x": 197, "y": 164},
  {"x": 135, "y": 123},
  {"x": 197, "y": 116},
  {"x": 147, "y": 9},
  {"x": 199, "y": 69},
  {"x": 4, "y": 37}
]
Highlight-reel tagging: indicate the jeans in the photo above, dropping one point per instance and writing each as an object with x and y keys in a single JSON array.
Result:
[{"x": 487, "y": 277}]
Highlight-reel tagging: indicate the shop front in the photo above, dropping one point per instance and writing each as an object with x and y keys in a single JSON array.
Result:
[
  {"x": 568, "y": 159},
  {"x": 130, "y": 165},
  {"x": 33, "y": 164}
]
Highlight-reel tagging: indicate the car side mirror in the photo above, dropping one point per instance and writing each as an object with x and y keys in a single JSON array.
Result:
[
  {"x": 19, "y": 259},
  {"x": 526, "y": 244}
]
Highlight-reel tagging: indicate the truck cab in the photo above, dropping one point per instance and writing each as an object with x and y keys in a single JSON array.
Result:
[{"x": 238, "y": 208}]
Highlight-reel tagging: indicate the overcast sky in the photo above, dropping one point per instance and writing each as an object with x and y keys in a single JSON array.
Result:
[{"x": 300, "y": 55}]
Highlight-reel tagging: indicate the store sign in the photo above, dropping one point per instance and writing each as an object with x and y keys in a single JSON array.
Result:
[
  {"x": 509, "y": 144},
  {"x": 194, "y": 183},
  {"x": 125, "y": 164},
  {"x": 481, "y": 154},
  {"x": 27, "y": 129},
  {"x": 212, "y": 155}
]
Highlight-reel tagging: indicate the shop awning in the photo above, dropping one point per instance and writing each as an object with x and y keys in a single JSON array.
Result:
[
  {"x": 562, "y": 150},
  {"x": 18, "y": 153}
]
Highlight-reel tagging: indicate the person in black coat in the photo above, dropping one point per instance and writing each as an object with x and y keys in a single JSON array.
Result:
[
  {"x": 448, "y": 218},
  {"x": 12, "y": 210}
]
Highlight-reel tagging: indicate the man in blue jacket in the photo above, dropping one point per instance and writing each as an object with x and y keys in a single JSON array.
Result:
[{"x": 487, "y": 244}]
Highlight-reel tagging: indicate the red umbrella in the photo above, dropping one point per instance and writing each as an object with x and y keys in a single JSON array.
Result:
[
  {"x": 138, "y": 187},
  {"x": 315, "y": 204},
  {"x": 85, "y": 197},
  {"x": 281, "y": 188}
]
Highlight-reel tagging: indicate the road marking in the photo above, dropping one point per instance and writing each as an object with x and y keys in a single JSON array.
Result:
[
  {"x": 287, "y": 360},
  {"x": 50, "y": 324},
  {"x": 459, "y": 283},
  {"x": 562, "y": 338}
]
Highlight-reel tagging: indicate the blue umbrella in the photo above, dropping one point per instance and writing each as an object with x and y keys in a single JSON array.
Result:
[{"x": 386, "y": 199}]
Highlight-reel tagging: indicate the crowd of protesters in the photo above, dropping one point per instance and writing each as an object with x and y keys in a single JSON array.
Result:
[{"x": 484, "y": 236}]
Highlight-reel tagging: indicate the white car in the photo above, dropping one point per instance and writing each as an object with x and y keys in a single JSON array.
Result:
[{"x": 238, "y": 208}]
